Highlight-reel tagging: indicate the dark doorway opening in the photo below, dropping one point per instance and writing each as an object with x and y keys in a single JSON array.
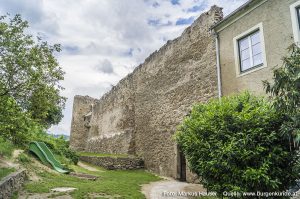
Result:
[{"x": 181, "y": 167}]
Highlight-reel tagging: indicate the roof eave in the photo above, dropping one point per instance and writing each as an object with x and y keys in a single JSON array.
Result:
[{"x": 235, "y": 13}]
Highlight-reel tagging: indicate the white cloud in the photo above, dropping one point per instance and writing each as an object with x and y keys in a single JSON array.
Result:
[{"x": 102, "y": 41}]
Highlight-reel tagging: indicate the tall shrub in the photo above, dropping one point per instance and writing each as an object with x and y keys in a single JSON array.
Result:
[
  {"x": 285, "y": 92},
  {"x": 234, "y": 145}
]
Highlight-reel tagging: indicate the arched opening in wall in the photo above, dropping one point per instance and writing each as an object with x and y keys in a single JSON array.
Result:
[{"x": 181, "y": 165}]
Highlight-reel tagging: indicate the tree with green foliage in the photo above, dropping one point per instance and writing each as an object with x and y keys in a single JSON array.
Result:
[
  {"x": 29, "y": 72},
  {"x": 30, "y": 99},
  {"x": 15, "y": 124},
  {"x": 234, "y": 145},
  {"x": 285, "y": 92}
]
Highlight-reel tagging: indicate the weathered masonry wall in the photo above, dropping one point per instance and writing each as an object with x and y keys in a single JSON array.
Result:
[
  {"x": 115, "y": 163},
  {"x": 170, "y": 81},
  {"x": 112, "y": 120},
  {"x": 278, "y": 36},
  {"x": 12, "y": 183},
  {"x": 140, "y": 115}
]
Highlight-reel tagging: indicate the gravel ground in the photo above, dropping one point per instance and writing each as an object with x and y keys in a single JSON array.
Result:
[{"x": 171, "y": 189}]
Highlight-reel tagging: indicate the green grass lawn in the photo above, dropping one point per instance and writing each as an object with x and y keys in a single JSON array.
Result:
[
  {"x": 5, "y": 171},
  {"x": 103, "y": 155},
  {"x": 126, "y": 184}
]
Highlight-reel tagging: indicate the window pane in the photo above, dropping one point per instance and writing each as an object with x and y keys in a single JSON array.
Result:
[
  {"x": 243, "y": 44},
  {"x": 250, "y": 51},
  {"x": 245, "y": 54},
  {"x": 255, "y": 38},
  {"x": 298, "y": 15},
  {"x": 257, "y": 59},
  {"x": 245, "y": 64},
  {"x": 256, "y": 49}
]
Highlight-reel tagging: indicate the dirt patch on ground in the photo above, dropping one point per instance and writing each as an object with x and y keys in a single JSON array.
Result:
[
  {"x": 16, "y": 153},
  {"x": 38, "y": 167},
  {"x": 84, "y": 176},
  {"x": 87, "y": 167},
  {"x": 41, "y": 166},
  {"x": 12, "y": 162},
  {"x": 7, "y": 164}
]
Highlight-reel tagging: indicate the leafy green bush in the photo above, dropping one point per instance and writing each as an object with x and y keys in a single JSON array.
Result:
[
  {"x": 285, "y": 92},
  {"x": 6, "y": 148},
  {"x": 234, "y": 145},
  {"x": 72, "y": 155},
  {"x": 61, "y": 147}
]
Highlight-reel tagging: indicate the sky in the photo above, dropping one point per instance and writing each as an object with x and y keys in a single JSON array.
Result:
[{"x": 104, "y": 40}]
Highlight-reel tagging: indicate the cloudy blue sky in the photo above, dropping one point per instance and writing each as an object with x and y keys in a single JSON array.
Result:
[{"x": 104, "y": 40}]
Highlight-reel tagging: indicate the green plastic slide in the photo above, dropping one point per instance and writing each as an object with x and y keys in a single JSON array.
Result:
[{"x": 46, "y": 156}]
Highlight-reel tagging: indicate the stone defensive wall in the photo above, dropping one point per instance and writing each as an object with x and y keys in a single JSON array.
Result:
[
  {"x": 140, "y": 114},
  {"x": 12, "y": 183}
]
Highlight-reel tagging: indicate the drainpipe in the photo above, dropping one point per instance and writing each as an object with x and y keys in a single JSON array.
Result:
[{"x": 218, "y": 65}]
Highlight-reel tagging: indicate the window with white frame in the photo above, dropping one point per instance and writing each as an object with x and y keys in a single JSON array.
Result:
[{"x": 250, "y": 51}]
